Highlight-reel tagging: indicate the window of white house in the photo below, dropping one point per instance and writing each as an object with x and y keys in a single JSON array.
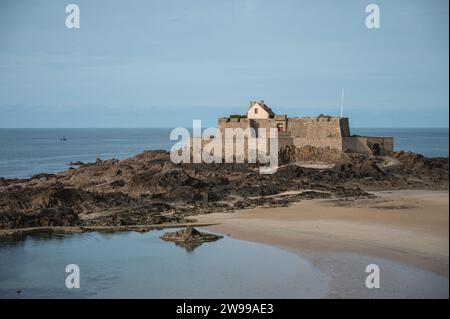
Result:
[{"x": 256, "y": 110}]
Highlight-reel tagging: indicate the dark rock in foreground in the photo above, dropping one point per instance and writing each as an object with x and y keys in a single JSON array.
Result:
[
  {"x": 190, "y": 235},
  {"x": 149, "y": 189}
]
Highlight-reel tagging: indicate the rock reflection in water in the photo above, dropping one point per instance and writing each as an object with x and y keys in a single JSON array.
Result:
[{"x": 141, "y": 265}]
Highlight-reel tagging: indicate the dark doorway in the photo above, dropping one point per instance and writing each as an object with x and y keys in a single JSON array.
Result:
[
  {"x": 280, "y": 127},
  {"x": 376, "y": 149}
]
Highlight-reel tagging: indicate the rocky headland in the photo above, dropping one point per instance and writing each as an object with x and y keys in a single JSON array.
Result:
[{"x": 148, "y": 189}]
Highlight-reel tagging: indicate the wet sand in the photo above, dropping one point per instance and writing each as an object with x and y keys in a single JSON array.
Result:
[{"x": 405, "y": 232}]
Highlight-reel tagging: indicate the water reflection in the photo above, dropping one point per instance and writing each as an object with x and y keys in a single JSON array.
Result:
[
  {"x": 189, "y": 247},
  {"x": 141, "y": 265}
]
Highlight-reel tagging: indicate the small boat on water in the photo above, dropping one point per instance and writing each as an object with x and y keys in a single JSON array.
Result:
[{"x": 63, "y": 138}]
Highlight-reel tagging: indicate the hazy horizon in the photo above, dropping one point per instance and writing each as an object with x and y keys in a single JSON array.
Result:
[{"x": 203, "y": 126}]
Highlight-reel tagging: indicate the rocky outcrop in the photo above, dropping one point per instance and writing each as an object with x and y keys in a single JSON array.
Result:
[
  {"x": 189, "y": 235},
  {"x": 149, "y": 189},
  {"x": 44, "y": 217}
]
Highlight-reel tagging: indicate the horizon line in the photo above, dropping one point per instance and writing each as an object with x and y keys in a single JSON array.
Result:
[{"x": 156, "y": 127}]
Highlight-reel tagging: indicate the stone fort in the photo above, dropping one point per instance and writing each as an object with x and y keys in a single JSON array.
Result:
[{"x": 322, "y": 131}]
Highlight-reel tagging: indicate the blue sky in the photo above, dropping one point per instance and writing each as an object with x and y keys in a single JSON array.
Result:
[{"x": 163, "y": 63}]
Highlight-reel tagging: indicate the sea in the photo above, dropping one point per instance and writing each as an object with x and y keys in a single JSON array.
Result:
[
  {"x": 141, "y": 265},
  {"x": 27, "y": 152}
]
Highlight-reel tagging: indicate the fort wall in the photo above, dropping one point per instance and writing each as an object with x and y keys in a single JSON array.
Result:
[
  {"x": 318, "y": 132},
  {"x": 322, "y": 132},
  {"x": 369, "y": 145}
]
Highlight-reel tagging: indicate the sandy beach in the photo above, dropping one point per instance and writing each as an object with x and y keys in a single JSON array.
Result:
[{"x": 406, "y": 231}]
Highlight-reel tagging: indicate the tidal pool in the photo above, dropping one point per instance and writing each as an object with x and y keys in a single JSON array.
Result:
[{"x": 141, "y": 265}]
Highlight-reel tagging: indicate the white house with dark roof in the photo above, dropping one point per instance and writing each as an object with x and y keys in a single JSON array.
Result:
[{"x": 259, "y": 110}]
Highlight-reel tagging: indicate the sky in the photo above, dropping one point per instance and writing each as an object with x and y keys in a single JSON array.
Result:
[{"x": 164, "y": 63}]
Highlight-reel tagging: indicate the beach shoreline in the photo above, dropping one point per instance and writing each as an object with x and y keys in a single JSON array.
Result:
[
  {"x": 404, "y": 231},
  {"x": 409, "y": 226},
  {"x": 20, "y": 233}
]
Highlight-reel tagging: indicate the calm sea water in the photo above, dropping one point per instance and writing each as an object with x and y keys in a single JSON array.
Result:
[
  {"x": 25, "y": 152},
  {"x": 141, "y": 265}
]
